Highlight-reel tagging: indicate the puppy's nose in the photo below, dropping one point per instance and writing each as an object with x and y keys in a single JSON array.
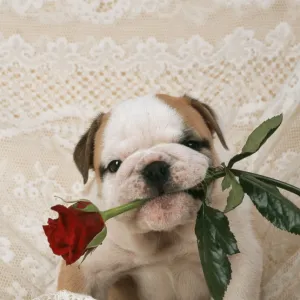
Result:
[{"x": 156, "y": 173}]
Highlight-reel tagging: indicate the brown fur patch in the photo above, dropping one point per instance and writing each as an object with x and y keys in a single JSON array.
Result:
[
  {"x": 99, "y": 147},
  {"x": 70, "y": 278},
  {"x": 190, "y": 116},
  {"x": 192, "y": 119},
  {"x": 83, "y": 154}
]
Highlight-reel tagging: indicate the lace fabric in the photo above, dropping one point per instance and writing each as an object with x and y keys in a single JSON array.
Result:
[
  {"x": 64, "y": 295},
  {"x": 62, "y": 61},
  {"x": 110, "y": 11}
]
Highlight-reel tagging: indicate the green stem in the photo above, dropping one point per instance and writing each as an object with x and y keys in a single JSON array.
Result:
[
  {"x": 113, "y": 212},
  {"x": 278, "y": 183},
  {"x": 200, "y": 190},
  {"x": 214, "y": 175}
]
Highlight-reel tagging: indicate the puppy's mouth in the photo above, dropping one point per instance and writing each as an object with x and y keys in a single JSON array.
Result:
[{"x": 198, "y": 192}]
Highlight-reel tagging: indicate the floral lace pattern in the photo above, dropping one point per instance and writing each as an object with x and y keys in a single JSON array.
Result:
[
  {"x": 153, "y": 65},
  {"x": 53, "y": 85},
  {"x": 103, "y": 12},
  {"x": 109, "y": 11}
]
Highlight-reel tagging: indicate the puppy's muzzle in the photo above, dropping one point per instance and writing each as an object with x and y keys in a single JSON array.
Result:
[{"x": 156, "y": 175}]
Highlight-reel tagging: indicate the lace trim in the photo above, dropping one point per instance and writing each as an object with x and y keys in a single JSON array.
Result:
[
  {"x": 99, "y": 12},
  {"x": 109, "y": 11},
  {"x": 64, "y": 295},
  {"x": 149, "y": 56}
]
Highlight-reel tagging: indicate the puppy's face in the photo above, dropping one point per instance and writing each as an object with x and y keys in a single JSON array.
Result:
[{"x": 153, "y": 147}]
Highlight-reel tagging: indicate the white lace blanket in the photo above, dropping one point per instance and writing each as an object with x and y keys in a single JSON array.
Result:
[{"x": 62, "y": 61}]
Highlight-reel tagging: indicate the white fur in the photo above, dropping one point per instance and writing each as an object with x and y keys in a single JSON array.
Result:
[{"x": 156, "y": 245}]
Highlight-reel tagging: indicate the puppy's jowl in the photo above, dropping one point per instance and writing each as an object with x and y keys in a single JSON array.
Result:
[{"x": 156, "y": 147}]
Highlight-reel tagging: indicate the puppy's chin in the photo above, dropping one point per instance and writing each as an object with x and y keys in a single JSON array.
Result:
[{"x": 166, "y": 212}]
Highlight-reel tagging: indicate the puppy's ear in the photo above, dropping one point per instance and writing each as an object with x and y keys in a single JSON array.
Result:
[
  {"x": 84, "y": 151},
  {"x": 209, "y": 117}
]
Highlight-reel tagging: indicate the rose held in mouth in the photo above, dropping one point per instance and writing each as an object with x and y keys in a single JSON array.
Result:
[
  {"x": 80, "y": 228},
  {"x": 73, "y": 230}
]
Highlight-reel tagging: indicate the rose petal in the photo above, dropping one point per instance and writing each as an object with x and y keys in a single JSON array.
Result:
[{"x": 72, "y": 231}]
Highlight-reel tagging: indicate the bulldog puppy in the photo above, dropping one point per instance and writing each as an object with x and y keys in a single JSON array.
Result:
[{"x": 157, "y": 147}]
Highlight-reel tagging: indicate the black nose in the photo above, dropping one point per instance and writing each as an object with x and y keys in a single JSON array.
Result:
[{"x": 157, "y": 174}]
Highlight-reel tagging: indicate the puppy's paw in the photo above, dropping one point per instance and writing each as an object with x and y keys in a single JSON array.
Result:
[{"x": 71, "y": 278}]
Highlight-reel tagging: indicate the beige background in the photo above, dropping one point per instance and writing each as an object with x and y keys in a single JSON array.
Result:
[{"x": 62, "y": 61}]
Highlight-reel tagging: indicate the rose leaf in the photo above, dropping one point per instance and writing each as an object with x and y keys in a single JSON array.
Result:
[
  {"x": 268, "y": 200},
  {"x": 257, "y": 138},
  {"x": 236, "y": 194},
  {"x": 215, "y": 243}
]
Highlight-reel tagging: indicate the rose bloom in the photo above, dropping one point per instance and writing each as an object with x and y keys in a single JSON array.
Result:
[{"x": 73, "y": 230}]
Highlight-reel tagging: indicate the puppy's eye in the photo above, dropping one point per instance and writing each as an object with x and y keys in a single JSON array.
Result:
[
  {"x": 114, "y": 166},
  {"x": 195, "y": 145}
]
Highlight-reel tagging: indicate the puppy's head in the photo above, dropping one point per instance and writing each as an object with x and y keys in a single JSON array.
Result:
[{"x": 151, "y": 147}]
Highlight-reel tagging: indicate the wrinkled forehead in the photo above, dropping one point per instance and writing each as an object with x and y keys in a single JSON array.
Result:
[
  {"x": 140, "y": 123},
  {"x": 144, "y": 122}
]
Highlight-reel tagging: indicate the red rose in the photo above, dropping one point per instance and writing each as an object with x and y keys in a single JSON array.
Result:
[{"x": 70, "y": 234}]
